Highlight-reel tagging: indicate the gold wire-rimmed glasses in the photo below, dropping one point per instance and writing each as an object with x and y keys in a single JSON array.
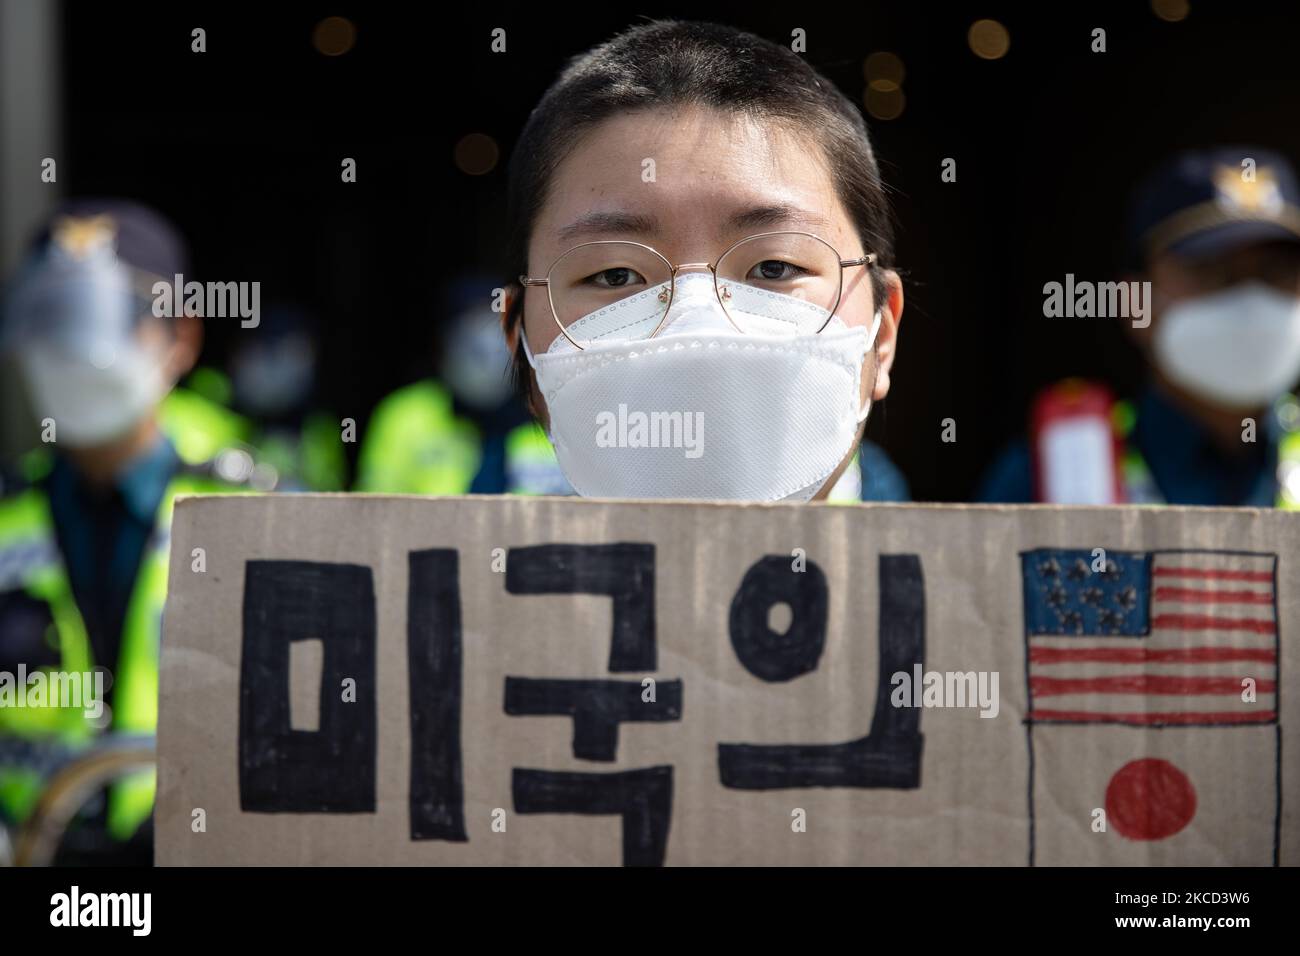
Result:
[{"x": 618, "y": 286}]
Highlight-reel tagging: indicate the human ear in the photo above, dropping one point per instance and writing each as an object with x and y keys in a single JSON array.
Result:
[{"x": 886, "y": 346}]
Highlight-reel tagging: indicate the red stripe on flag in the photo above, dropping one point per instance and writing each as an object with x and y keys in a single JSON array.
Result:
[
  {"x": 1096, "y": 717},
  {"x": 1139, "y": 655},
  {"x": 1204, "y": 622},
  {"x": 1212, "y": 574},
  {"x": 1144, "y": 684},
  {"x": 1197, "y": 596}
]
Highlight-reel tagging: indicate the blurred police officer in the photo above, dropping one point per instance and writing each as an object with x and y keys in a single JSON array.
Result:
[
  {"x": 84, "y": 529},
  {"x": 461, "y": 431},
  {"x": 1217, "y": 234},
  {"x": 273, "y": 381}
]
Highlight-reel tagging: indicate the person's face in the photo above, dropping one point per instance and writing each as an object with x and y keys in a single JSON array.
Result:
[
  {"x": 719, "y": 177},
  {"x": 1176, "y": 279}
]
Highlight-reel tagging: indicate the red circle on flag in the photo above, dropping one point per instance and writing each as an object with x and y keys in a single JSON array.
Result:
[{"x": 1150, "y": 799}]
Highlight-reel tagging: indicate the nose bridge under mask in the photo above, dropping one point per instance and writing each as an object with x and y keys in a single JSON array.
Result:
[{"x": 695, "y": 307}]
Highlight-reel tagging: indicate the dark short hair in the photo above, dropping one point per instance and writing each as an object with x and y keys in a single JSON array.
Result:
[{"x": 669, "y": 63}]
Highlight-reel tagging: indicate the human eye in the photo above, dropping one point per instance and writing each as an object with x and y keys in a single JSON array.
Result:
[
  {"x": 619, "y": 277},
  {"x": 776, "y": 270}
]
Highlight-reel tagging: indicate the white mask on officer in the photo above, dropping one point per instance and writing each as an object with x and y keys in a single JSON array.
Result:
[
  {"x": 703, "y": 410},
  {"x": 71, "y": 323},
  {"x": 89, "y": 404},
  {"x": 1239, "y": 348}
]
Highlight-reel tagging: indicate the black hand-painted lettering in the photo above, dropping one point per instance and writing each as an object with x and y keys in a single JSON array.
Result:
[
  {"x": 890, "y": 755},
  {"x": 330, "y": 770},
  {"x": 768, "y": 654},
  {"x": 623, "y": 571},
  {"x": 433, "y": 649},
  {"x": 643, "y": 798},
  {"x": 596, "y": 706}
]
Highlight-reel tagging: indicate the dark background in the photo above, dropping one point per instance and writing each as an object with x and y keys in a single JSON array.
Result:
[{"x": 241, "y": 146}]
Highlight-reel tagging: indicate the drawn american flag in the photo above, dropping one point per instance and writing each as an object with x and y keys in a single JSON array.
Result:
[{"x": 1159, "y": 638}]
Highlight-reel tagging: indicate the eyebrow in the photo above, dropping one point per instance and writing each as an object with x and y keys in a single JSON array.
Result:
[
  {"x": 607, "y": 223},
  {"x": 757, "y": 217},
  {"x": 779, "y": 214}
]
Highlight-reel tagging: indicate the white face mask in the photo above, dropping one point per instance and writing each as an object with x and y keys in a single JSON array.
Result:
[
  {"x": 703, "y": 410},
  {"x": 474, "y": 362},
  {"x": 90, "y": 405},
  {"x": 1239, "y": 348},
  {"x": 276, "y": 378}
]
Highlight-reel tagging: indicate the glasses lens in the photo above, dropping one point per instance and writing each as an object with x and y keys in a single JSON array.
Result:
[
  {"x": 610, "y": 290},
  {"x": 782, "y": 283}
]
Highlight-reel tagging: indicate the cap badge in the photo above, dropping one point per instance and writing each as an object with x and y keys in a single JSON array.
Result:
[
  {"x": 1260, "y": 196},
  {"x": 81, "y": 236}
]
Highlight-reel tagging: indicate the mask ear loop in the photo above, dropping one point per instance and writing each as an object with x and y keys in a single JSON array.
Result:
[
  {"x": 528, "y": 352},
  {"x": 523, "y": 336},
  {"x": 871, "y": 341}
]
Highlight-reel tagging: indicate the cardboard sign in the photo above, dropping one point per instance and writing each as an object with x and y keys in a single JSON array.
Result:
[{"x": 484, "y": 680}]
